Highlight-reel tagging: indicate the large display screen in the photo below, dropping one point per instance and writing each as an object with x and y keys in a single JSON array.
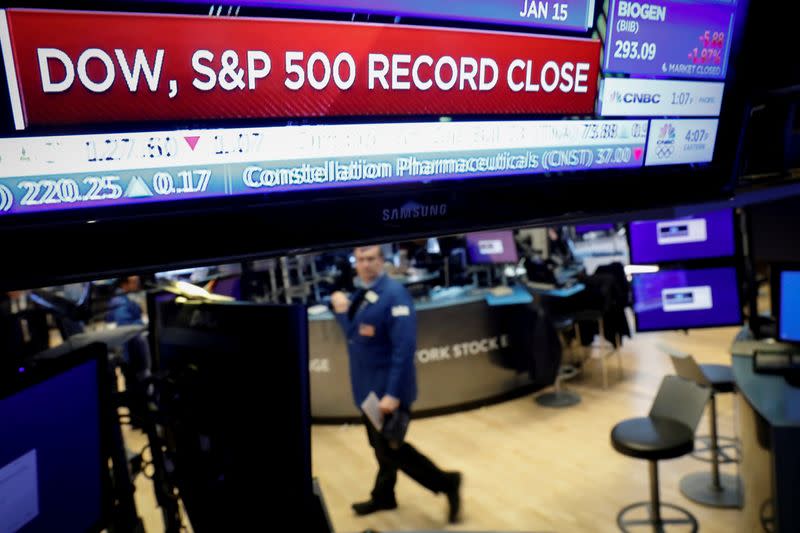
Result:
[
  {"x": 693, "y": 237},
  {"x": 114, "y": 108},
  {"x": 565, "y": 14},
  {"x": 686, "y": 299},
  {"x": 50, "y": 454},
  {"x": 789, "y": 319},
  {"x": 492, "y": 247}
]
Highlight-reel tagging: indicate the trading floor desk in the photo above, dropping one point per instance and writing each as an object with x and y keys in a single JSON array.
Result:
[
  {"x": 472, "y": 349},
  {"x": 769, "y": 423}
]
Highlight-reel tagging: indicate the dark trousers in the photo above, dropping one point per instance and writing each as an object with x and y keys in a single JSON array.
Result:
[{"x": 405, "y": 458}]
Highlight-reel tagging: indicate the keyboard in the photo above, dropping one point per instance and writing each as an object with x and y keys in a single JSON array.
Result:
[{"x": 501, "y": 290}]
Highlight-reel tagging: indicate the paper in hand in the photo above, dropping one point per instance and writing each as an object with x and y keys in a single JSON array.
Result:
[{"x": 371, "y": 408}]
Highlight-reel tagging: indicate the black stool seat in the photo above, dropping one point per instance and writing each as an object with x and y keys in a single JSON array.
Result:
[
  {"x": 720, "y": 377},
  {"x": 667, "y": 432},
  {"x": 652, "y": 438}
]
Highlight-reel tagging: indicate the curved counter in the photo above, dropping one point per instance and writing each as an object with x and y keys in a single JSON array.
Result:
[
  {"x": 468, "y": 353},
  {"x": 769, "y": 424}
]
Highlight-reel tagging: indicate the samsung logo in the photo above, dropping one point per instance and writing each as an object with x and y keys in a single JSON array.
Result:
[{"x": 413, "y": 211}]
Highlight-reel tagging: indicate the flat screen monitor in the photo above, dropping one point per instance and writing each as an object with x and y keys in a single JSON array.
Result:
[
  {"x": 156, "y": 119},
  {"x": 228, "y": 286},
  {"x": 582, "y": 229},
  {"x": 686, "y": 299},
  {"x": 767, "y": 223},
  {"x": 492, "y": 247},
  {"x": 233, "y": 365},
  {"x": 52, "y": 465},
  {"x": 789, "y": 305},
  {"x": 700, "y": 236}
]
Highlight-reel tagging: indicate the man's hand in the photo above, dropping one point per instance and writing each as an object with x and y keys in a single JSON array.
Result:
[
  {"x": 340, "y": 302},
  {"x": 389, "y": 404}
]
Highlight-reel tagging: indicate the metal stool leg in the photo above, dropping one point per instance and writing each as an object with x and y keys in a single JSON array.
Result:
[
  {"x": 559, "y": 397},
  {"x": 655, "y": 499},
  {"x": 714, "y": 488},
  {"x": 580, "y": 339},
  {"x": 655, "y": 521},
  {"x": 716, "y": 446},
  {"x": 603, "y": 355},
  {"x": 702, "y": 446},
  {"x": 715, "y": 484}
]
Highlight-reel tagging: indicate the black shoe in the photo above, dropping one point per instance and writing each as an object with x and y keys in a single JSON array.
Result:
[
  {"x": 454, "y": 496},
  {"x": 370, "y": 506}
]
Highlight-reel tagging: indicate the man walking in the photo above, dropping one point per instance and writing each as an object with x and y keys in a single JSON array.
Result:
[{"x": 380, "y": 327}]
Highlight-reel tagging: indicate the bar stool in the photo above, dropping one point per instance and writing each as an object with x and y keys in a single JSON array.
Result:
[
  {"x": 559, "y": 397},
  {"x": 715, "y": 489},
  {"x": 666, "y": 433},
  {"x": 592, "y": 315}
]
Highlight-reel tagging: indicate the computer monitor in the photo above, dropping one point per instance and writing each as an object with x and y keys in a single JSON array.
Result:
[
  {"x": 53, "y": 469},
  {"x": 701, "y": 236},
  {"x": 686, "y": 299},
  {"x": 234, "y": 365},
  {"x": 229, "y": 286},
  {"x": 788, "y": 304},
  {"x": 492, "y": 247},
  {"x": 583, "y": 229}
]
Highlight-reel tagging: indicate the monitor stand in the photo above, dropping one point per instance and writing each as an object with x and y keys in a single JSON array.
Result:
[
  {"x": 482, "y": 269},
  {"x": 502, "y": 289}
]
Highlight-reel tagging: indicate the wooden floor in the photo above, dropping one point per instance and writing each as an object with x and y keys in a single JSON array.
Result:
[
  {"x": 530, "y": 468},
  {"x": 526, "y": 468}
]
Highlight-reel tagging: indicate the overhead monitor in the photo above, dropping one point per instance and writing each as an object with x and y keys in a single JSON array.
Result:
[
  {"x": 788, "y": 309},
  {"x": 53, "y": 469},
  {"x": 174, "y": 124},
  {"x": 686, "y": 299},
  {"x": 767, "y": 222},
  {"x": 582, "y": 229},
  {"x": 700, "y": 236},
  {"x": 492, "y": 247}
]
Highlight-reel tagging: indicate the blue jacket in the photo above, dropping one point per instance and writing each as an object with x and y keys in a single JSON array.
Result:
[
  {"x": 382, "y": 342},
  {"x": 124, "y": 311}
]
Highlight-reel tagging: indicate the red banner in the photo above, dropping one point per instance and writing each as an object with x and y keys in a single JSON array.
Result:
[{"x": 80, "y": 67}]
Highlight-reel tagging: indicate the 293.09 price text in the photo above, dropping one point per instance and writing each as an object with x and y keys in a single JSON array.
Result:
[{"x": 634, "y": 50}]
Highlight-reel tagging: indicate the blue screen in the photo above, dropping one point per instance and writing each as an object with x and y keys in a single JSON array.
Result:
[
  {"x": 686, "y": 299},
  {"x": 706, "y": 235},
  {"x": 50, "y": 462},
  {"x": 790, "y": 306}
]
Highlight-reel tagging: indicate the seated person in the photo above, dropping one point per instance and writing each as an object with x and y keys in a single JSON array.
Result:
[
  {"x": 539, "y": 271},
  {"x": 559, "y": 255},
  {"x": 123, "y": 311},
  {"x": 559, "y": 251}
]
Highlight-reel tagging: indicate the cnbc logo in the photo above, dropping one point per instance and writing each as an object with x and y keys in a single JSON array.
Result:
[
  {"x": 665, "y": 141},
  {"x": 634, "y": 98}
]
